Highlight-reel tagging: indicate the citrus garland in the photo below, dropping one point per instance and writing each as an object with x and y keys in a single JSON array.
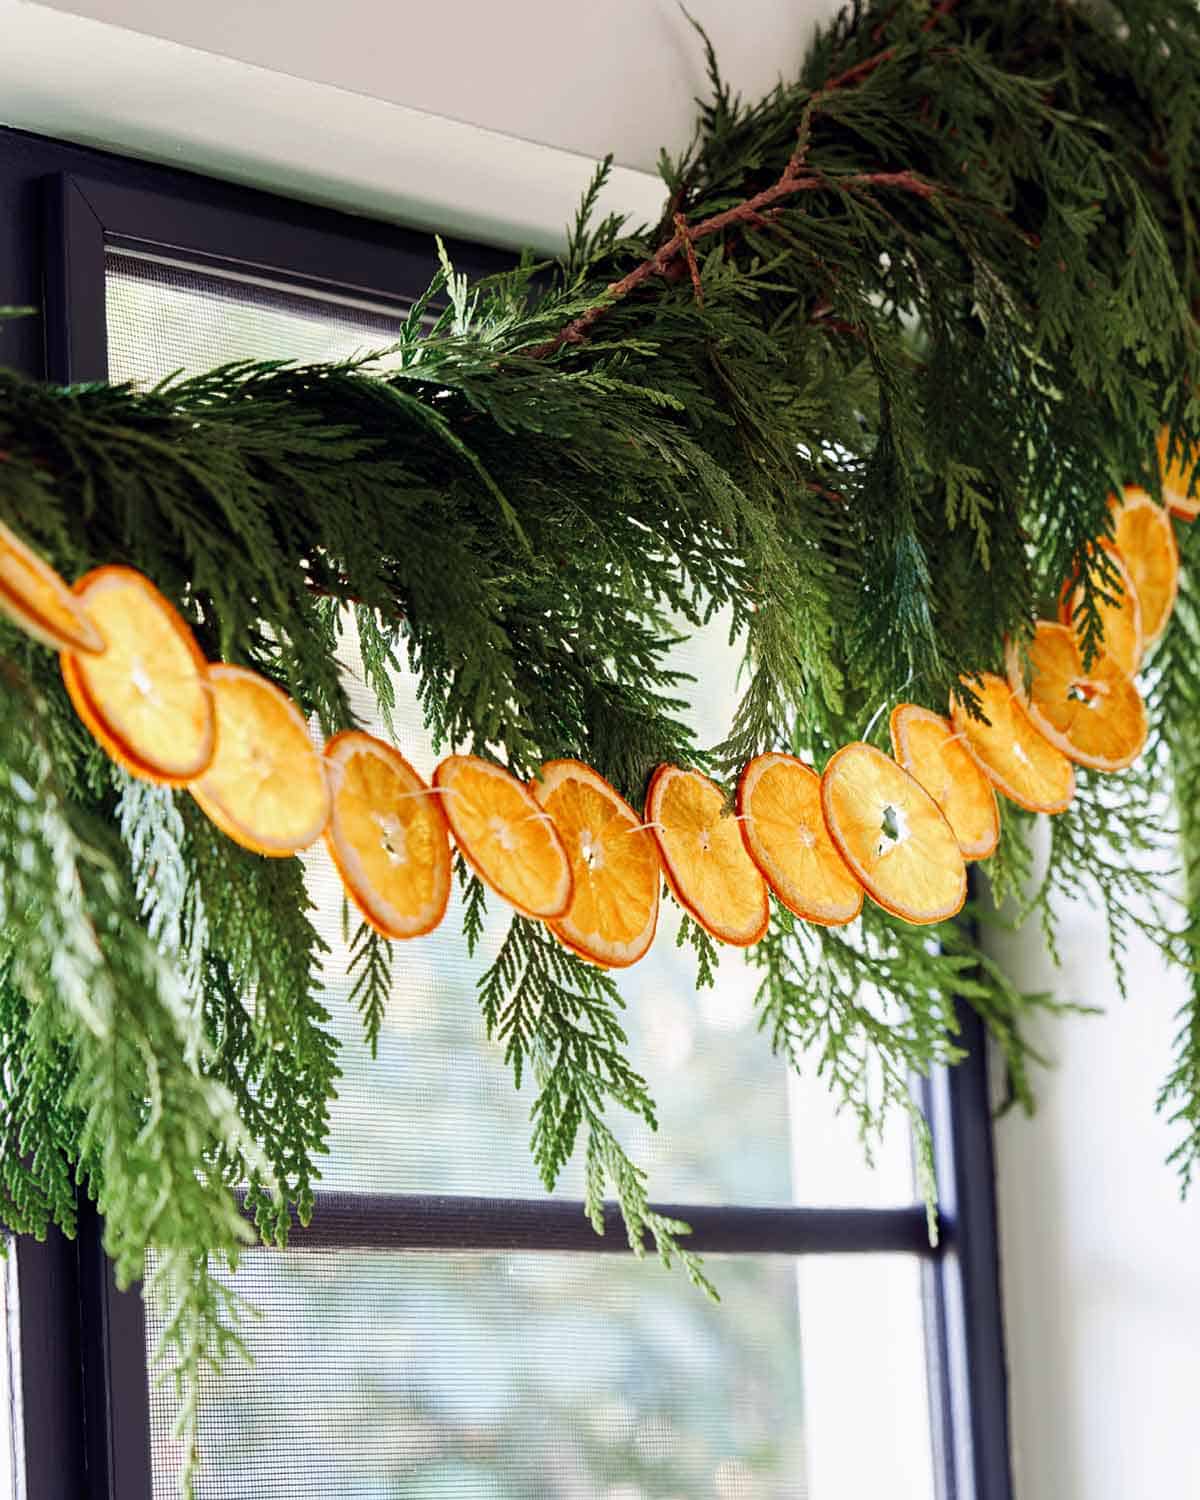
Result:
[
  {"x": 568, "y": 849},
  {"x": 862, "y": 392}
]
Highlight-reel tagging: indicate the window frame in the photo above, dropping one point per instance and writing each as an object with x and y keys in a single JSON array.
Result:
[{"x": 82, "y": 1341}]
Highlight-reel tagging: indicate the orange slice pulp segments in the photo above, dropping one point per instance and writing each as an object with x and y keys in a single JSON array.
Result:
[
  {"x": 1014, "y": 757},
  {"x": 387, "y": 835},
  {"x": 34, "y": 597},
  {"x": 779, "y": 802},
  {"x": 1120, "y": 620},
  {"x": 1094, "y": 715},
  {"x": 930, "y": 748},
  {"x": 1145, "y": 539},
  {"x": 704, "y": 858},
  {"x": 614, "y": 860},
  {"x": 266, "y": 787},
  {"x": 147, "y": 697},
  {"x": 504, "y": 836},
  {"x": 893, "y": 835},
  {"x": 1176, "y": 473}
]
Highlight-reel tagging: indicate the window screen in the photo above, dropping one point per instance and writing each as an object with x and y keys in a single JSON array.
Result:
[{"x": 569, "y": 1375}]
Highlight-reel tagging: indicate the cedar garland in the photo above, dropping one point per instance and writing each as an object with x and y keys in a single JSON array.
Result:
[{"x": 903, "y": 327}]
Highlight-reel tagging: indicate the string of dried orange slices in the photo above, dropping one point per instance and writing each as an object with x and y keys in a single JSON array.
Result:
[{"x": 566, "y": 848}]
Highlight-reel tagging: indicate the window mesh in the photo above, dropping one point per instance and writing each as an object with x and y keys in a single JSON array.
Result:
[
  {"x": 518, "y": 1377},
  {"x": 388, "y": 1374}
]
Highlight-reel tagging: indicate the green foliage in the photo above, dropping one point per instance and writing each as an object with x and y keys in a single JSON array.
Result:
[
  {"x": 872, "y": 1008},
  {"x": 370, "y": 967},
  {"x": 876, "y": 424},
  {"x": 111, "y": 1044},
  {"x": 558, "y": 1016},
  {"x": 1176, "y": 709},
  {"x": 692, "y": 935}
]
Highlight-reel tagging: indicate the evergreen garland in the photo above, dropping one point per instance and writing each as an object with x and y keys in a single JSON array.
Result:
[{"x": 904, "y": 325}]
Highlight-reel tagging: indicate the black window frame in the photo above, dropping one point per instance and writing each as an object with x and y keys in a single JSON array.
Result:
[{"x": 82, "y": 1342}]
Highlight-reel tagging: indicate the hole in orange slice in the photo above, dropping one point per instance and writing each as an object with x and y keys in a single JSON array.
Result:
[
  {"x": 1094, "y": 715},
  {"x": 1120, "y": 619},
  {"x": 387, "y": 835},
  {"x": 1145, "y": 539},
  {"x": 893, "y": 835},
  {"x": 34, "y": 597},
  {"x": 930, "y": 748},
  {"x": 704, "y": 857},
  {"x": 614, "y": 860},
  {"x": 1177, "y": 478},
  {"x": 779, "y": 801},
  {"x": 266, "y": 787},
  {"x": 504, "y": 835},
  {"x": 147, "y": 697},
  {"x": 1011, "y": 753}
]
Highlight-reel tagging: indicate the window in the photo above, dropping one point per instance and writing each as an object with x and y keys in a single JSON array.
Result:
[{"x": 444, "y": 1328}]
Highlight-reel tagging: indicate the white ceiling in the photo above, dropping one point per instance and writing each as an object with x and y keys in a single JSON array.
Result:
[{"x": 484, "y": 120}]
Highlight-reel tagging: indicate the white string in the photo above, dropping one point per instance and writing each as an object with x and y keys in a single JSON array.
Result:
[
  {"x": 875, "y": 716},
  {"x": 165, "y": 679},
  {"x": 638, "y": 827}
]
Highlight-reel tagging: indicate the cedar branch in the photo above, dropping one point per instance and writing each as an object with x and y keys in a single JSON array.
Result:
[
  {"x": 749, "y": 211},
  {"x": 681, "y": 229},
  {"x": 863, "y": 69}
]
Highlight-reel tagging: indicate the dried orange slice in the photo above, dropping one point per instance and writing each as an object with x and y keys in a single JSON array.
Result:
[
  {"x": 704, "y": 858},
  {"x": 387, "y": 835},
  {"x": 1014, "y": 757},
  {"x": 34, "y": 597},
  {"x": 504, "y": 836},
  {"x": 266, "y": 787},
  {"x": 1094, "y": 715},
  {"x": 146, "y": 698},
  {"x": 1120, "y": 618},
  {"x": 893, "y": 835},
  {"x": 1176, "y": 473},
  {"x": 931, "y": 749},
  {"x": 614, "y": 860},
  {"x": 779, "y": 803},
  {"x": 1145, "y": 539}
]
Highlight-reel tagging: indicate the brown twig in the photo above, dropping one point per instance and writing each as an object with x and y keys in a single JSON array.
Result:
[
  {"x": 682, "y": 233},
  {"x": 863, "y": 69},
  {"x": 319, "y": 591},
  {"x": 826, "y": 494},
  {"x": 859, "y": 71},
  {"x": 794, "y": 180},
  {"x": 749, "y": 211},
  {"x": 837, "y": 325}
]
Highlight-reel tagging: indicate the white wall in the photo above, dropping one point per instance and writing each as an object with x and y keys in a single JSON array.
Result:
[
  {"x": 1100, "y": 1260},
  {"x": 586, "y": 78},
  {"x": 481, "y": 119}
]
